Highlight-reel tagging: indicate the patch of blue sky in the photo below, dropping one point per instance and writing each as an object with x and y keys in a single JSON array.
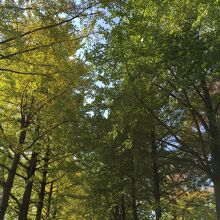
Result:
[
  {"x": 171, "y": 144},
  {"x": 62, "y": 15},
  {"x": 100, "y": 84},
  {"x": 201, "y": 129},
  {"x": 105, "y": 113},
  {"x": 95, "y": 36}
]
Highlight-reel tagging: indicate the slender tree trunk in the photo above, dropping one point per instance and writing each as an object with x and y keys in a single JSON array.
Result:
[
  {"x": 183, "y": 214},
  {"x": 42, "y": 187},
  {"x": 217, "y": 198},
  {"x": 8, "y": 186},
  {"x": 174, "y": 216},
  {"x": 55, "y": 212},
  {"x": 133, "y": 200},
  {"x": 12, "y": 172},
  {"x": 123, "y": 211},
  {"x": 49, "y": 201},
  {"x": 156, "y": 177},
  {"x": 115, "y": 212},
  {"x": 214, "y": 132},
  {"x": 216, "y": 180},
  {"x": 23, "y": 212},
  {"x": 133, "y": 191},
  {"x": 215, "y": 148},
  {"x": 56, "y": 206}
]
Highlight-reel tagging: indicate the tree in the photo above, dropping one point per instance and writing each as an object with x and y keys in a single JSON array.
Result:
[
  {"x": 165, "y": 54},
  {"x": 36, "y": 75}
]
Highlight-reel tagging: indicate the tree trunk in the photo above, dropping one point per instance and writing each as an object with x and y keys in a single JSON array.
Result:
[
  {"x": 133, "y": 191},
  {"x": 55, "y": 212},
  {"x": 49, "y": 201},
  {"x": 115, "y": 213},
  {"x": 23, "y": 212},
  {"x": 43, "y": 186},
  {"x": 175, "y": 216},
  {"x": 214, "y": 134},
  {"x": 133, "y": 201},
  {"x": 216, "y": 180},
  {"x": 12, "y": 172},
  {"x": 183, "y": 214},
  {"x": 156, "y": 177},
  {"x": 123, "y": 211},
  {"x": 56, "y": 206},
  {"x": 8, "y": 186},
  {"x": 217, "y": 198}
]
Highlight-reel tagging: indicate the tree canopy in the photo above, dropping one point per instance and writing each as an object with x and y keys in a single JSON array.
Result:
[{"x": 109, "y": 110}]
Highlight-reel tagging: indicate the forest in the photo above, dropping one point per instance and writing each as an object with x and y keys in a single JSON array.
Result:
[{"x": 109, "y": 110}]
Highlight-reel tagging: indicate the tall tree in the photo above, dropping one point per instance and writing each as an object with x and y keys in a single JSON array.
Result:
[{"x": 149, "y": 46}]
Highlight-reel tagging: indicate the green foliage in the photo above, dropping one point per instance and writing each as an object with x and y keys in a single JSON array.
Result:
[{"x": 132, "y": 129}]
